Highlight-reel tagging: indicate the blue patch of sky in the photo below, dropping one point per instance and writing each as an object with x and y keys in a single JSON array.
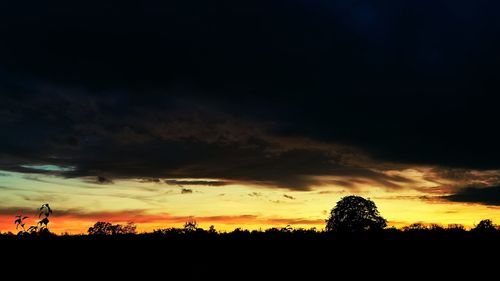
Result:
[{"x": 50, "y": 168}]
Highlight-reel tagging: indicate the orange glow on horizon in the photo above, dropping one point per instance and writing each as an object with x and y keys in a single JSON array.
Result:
[{"x": 78, "y": 204}]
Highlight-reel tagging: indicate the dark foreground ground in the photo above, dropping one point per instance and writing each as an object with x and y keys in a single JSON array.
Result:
[{"x": 246, "y": 257}]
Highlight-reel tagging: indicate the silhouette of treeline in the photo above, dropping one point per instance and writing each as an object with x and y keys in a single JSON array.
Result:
[
  {"x": 351, "y": 215},
  {"x": 355, "y": 237},
  {"x": 192, "y": 229}
]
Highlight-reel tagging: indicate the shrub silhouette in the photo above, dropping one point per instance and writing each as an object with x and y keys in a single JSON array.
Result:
[
  {"x": 355, "y": 214},
  {"x": 33, "y": 229},
  {"x": 43, "y": 224},
  {"x": 42, "y": 227},
  {"x": 19, "y": 222},
  {"x": 45, "y": 210}
]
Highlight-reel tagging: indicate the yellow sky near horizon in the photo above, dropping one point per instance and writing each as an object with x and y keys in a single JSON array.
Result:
[{"x": 78, "y": 203}]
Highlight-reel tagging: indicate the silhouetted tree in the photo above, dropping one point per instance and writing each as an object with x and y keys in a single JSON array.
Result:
[
  {"x": 355, "y": 214},
  {"x": 273, "y": 230},
  {"x": 436, "y": 227},
  {"x": 100, "y": 228},
  {"x": 172, "y": 231},
  {"x": 485, "y": 226},
  {"x": 455, "y": 228},
  {"x": 212, "y": 230},
  {"x": 129, "y": 228},
  {"x": 107, "y": 228},
  {"x": 240, "y": 232},
  {"x": 417, "y": 226}
]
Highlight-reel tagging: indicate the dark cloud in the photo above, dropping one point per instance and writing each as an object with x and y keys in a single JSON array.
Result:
[
  {"x": 477, "y": 178},
  {"x": 196, "y": 182},
  {"x": 144, "y": 142},
  {"x": 21, "y": 169},
  {"x": 331, "y": 192},
  {"x": 101, "y": 179},
  {"x": 482, "y": 195},
  {"x": 153, "y": 180},
  {"x": 97, "y": 179},
  {"x": 186, "y": 191},
  {"x": 13, "y": 211},
  {"x": 264, "y": 92},
  {"x": 454, "y": 180}
]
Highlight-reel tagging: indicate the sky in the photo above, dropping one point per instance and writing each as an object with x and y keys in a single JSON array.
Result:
[{"x": 248, "y": 114}]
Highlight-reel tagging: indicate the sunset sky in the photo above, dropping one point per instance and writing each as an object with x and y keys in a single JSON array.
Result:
[{"x": 248, "y": 114}]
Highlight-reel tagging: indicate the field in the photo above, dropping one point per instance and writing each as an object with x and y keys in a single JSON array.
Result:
[{"x": 201, "y": 256}]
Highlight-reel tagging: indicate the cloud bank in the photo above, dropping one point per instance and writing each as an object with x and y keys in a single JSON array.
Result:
[{"x": 270, "y": 93}]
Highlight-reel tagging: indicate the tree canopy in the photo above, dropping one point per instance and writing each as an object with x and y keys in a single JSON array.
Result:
[
  {"x": 355, "y": 214},
  {"x": 485, "y": 225},
  {"x": 106, "y": 228}
]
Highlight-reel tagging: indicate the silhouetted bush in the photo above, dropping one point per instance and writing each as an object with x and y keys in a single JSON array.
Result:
[{"x": 41, "y": 228}]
